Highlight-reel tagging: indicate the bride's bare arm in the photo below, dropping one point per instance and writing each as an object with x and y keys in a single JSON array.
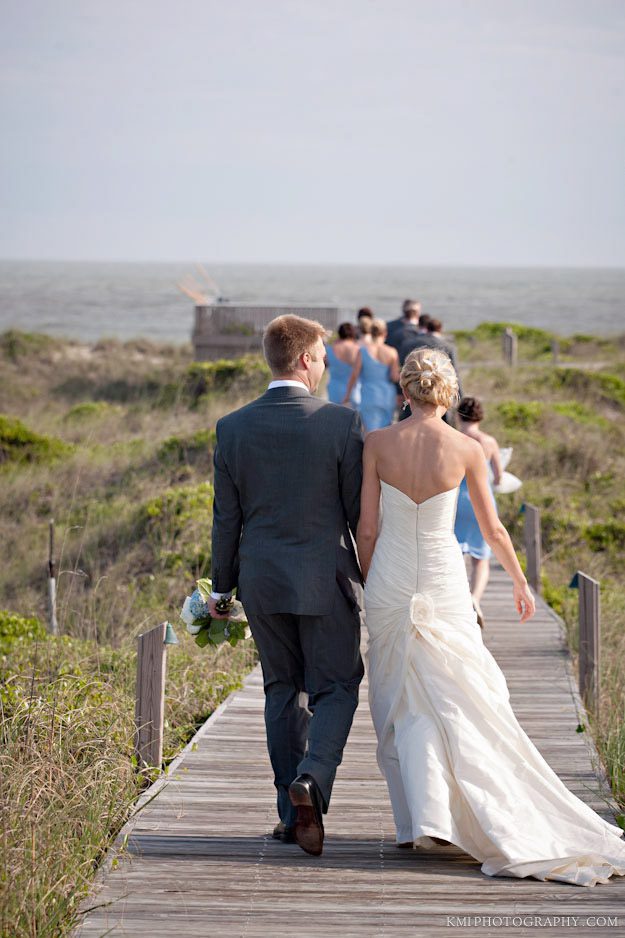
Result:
[
  {"x": 367, "y": 533},
  {"x": 494, "y": 532}
]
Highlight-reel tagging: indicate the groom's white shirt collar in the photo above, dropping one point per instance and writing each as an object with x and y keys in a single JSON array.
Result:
[{"x": 287, "y": 383}]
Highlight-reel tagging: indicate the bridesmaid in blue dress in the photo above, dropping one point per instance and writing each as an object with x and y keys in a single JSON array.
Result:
[
  {"x": 377, "y": 368},
  {"x": 340, "y": 359},
  {"x": 467, "y": 530}
]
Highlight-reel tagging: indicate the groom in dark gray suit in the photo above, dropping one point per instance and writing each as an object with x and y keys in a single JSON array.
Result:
[{"x": 287, "y": 494}]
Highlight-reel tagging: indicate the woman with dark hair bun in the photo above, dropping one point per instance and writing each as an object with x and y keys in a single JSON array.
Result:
[
  {"x": 347, "y": 331},
  {"x": 340, "y": 358},
  {"x": 467, "y": 529}
]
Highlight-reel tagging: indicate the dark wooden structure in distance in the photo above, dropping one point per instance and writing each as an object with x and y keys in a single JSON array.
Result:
[{"x": 228, "y": 330}]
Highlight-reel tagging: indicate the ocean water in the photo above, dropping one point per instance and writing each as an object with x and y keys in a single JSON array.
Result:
[{"x": 88, "y": 301}]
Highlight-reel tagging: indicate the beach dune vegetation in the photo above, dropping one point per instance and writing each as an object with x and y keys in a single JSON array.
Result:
[
  {"x": 132, "y": 502},
  {"x": 19, "y": 444}
]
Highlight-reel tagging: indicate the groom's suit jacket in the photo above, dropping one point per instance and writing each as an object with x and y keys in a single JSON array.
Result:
[{"x": 288, "y": 472}]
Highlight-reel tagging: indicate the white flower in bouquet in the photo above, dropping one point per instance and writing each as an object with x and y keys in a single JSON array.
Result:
[{"x": 188, "y": 618}]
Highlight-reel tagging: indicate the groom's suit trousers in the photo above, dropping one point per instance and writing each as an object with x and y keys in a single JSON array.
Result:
[{"x": 317, "y": 655}]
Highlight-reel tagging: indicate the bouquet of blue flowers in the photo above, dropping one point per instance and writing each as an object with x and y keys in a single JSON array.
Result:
[{"x": 206, "y": 630}]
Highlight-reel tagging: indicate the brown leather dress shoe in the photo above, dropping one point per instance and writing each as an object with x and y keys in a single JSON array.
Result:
[
  {"x": 306, "y": 797},
  {"x": 283, "y": 833}
]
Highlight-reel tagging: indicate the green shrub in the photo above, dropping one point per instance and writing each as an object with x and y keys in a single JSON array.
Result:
[
  {"x": 177, "y": 527},
  {"x": 157, "y": 390},
  {"x": 89, "y": 410},
  {"x": 495, "y": 330},
  {"x": 600, "y": 385},
  {"x": 534, "y": 342},
  {"x": 606, "y": 535},
  {"x": 245, "y": 375},
  {"x": 187, "y": 450},
  {"x": 517, "y": 415},
  {"x": 555, "y": 596},
  {"x": 16, "y": 344},
  {"x": 580, "y": 413},
  {"x": 560, "y": 528},
  {"x": 18, "y": 444},
  {"x": 14, "y": 628}
]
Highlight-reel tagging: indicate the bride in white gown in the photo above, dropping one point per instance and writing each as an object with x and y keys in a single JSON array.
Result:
[{"x": 457, "y": 764}]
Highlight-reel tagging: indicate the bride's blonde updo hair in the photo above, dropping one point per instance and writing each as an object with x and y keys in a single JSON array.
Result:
[{"x": 428, "y": 377}]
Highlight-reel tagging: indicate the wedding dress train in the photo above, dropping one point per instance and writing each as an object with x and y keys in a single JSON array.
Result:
[{"x": 457, "y": 763}]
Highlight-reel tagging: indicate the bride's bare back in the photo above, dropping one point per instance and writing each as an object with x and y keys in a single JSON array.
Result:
[{"x": 421, "y": 457}]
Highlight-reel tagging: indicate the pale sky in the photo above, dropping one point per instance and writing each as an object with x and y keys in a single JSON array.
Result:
[{"x": 350, "y": 131}]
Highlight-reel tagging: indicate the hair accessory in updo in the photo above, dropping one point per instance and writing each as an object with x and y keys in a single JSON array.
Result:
[{"x": 428, "y": 377}]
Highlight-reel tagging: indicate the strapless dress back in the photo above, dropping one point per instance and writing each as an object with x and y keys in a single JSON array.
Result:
[{"x": 457, "y": 763}]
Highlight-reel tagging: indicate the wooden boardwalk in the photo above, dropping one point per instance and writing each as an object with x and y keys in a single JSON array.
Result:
[{"x": 200, "y": 860}]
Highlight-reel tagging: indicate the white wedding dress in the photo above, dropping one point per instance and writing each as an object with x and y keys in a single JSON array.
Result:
[{"x": 457, "y": 763}]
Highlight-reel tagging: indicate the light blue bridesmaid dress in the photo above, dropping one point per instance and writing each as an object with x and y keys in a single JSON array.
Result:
[
  {"x": 339, "y": 376},
  {"x": 378, "y": 394},
  {"x": 466, "y": 528}
]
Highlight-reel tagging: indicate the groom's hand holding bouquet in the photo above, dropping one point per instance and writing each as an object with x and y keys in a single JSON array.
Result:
[{"x": 213, "y": 621}]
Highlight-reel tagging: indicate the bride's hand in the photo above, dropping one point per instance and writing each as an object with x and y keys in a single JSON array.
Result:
[{"x": 524, "y": 601}]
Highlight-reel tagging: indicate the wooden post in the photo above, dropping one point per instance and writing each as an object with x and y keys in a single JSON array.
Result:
[
  {"x": 510, "y": 349},
  {"x": 555, "y": 351},
  {"x": 533, "y": 546},
  {"x": 53, "y": 624},
  {"x": 150, "y": 696},
  {"x": 589, "y": 641}
]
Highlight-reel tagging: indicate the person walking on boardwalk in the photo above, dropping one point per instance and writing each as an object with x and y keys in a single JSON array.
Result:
[
  {"x": 458, "y": 765},
  {"x": 340, "y": 358},
  {"x": 467, "y": 530},
  {"x": 398, "y": 330},
  {"x": 377, "y": 368},
  {"x": 428, "y": 337},
  {"x": 288, "y": 471}
]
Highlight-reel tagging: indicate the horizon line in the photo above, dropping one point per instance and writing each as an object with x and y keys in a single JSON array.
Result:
[{"x": 266, "y": 263}]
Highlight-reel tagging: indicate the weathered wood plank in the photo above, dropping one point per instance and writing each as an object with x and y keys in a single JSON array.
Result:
[
  {"x": 150, "y": 696},
  {"x": 533, "y": 546}
]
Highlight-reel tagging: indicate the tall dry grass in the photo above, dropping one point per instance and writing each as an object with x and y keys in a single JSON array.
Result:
[
  {"x": 132, "y": 504},
  {"x": 67, "y": 771}
]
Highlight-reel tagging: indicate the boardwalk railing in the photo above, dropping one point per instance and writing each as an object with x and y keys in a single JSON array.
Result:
[
  {"x": 533, "y": 546},
  {"x": 150, "y": 693},
  {"x": 589, "y": 617},
  {"x": 510, "y": 347},
  {"x": 589, "y": 639}
]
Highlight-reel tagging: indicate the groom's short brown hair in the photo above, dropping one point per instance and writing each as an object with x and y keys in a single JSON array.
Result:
[{"x": 288, "y": 337}]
